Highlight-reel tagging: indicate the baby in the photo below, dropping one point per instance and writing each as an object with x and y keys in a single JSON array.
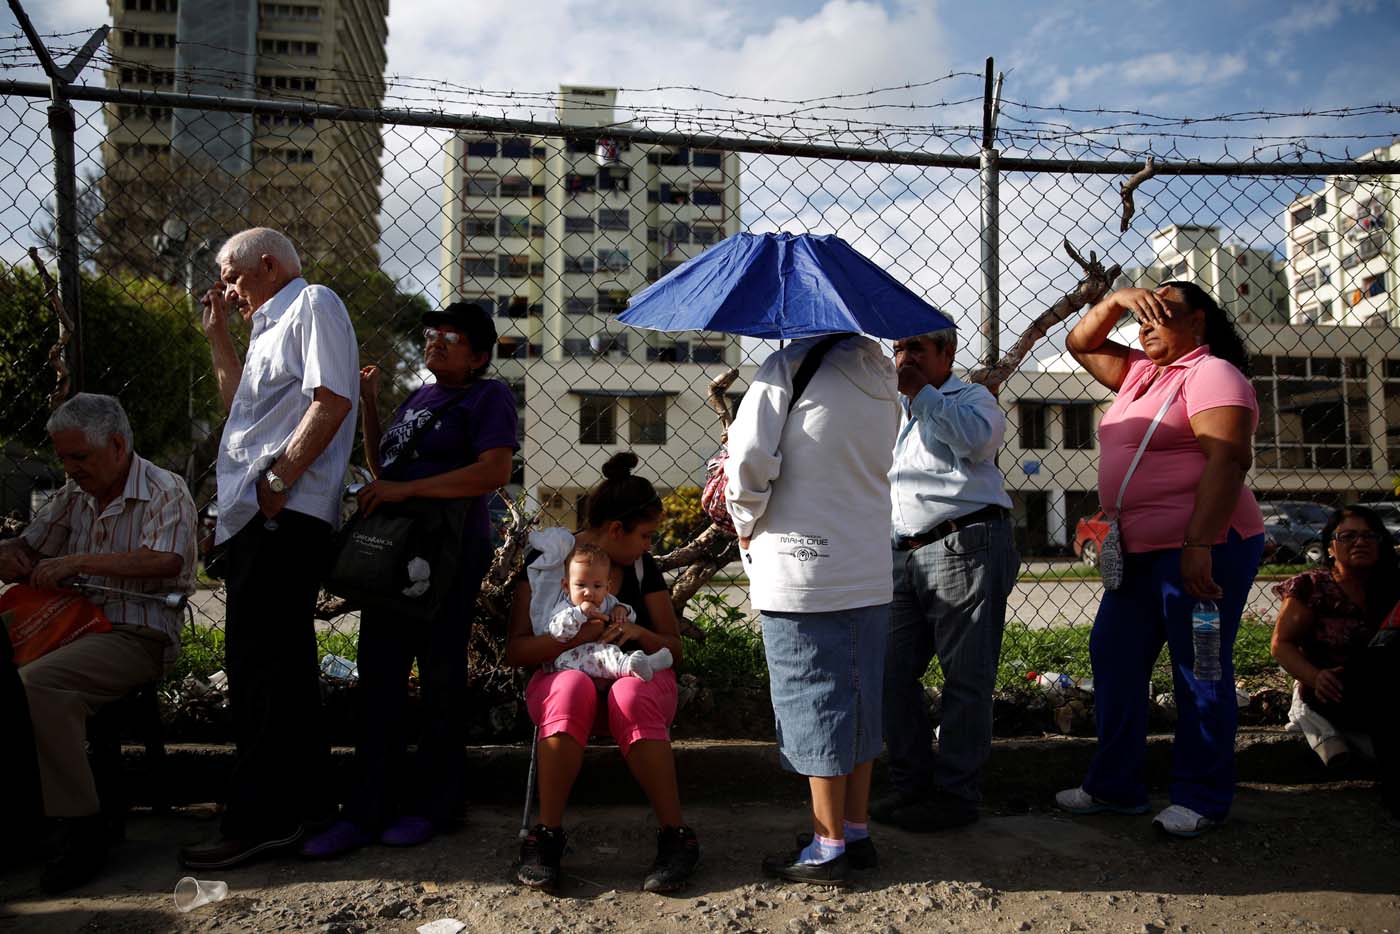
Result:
[{"x": 588, "y": 580}]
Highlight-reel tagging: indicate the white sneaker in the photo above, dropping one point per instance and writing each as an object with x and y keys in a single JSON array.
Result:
[
  {"x": 1182, "y": 822},
  {"x": 1079, "y": 801}
]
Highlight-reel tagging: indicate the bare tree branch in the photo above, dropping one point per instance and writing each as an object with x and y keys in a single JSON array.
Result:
[
  {"x": 1090, "y": 289},
  {"x": 65, "y": 332},
  {"x": 1148, "y": 170}
]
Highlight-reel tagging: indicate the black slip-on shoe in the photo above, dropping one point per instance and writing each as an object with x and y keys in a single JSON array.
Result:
[
  {"x": 942, "y": 812},
  {"x": 677, "y": 855},
  {"x": 230, "y": 851},
  {"x": 882, "y": 808},
  {"x": 80, "y": 852},
  {"x": 540, "y": 854},
  {"x": 786, "y": 866},
  {"x": 861, "y": 853}
]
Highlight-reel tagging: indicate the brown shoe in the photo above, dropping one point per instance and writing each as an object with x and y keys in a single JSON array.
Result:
[{"x": 226, "y": 851}]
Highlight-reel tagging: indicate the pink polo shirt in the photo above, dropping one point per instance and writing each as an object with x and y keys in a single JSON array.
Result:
[{"x": 1162, "y": 493}]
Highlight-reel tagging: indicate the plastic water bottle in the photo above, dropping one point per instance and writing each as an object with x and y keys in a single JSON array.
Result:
[
  {"x": 1205, "y": 640},
  {"x": 1054, "y": 681},
  {"x": 339, "y": 668}
]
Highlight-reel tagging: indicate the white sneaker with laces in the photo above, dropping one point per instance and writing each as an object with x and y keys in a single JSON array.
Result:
[
  {"x": 1181, "y": 821},
  {"x": 1079, "y": 801}
]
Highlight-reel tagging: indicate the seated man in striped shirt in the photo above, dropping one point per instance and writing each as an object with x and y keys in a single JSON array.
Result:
[{"x": 121, "y": 522}]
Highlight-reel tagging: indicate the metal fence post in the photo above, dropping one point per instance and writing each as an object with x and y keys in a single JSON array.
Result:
[
  {"x": 991, "y": 223},
  {"x": 65, "y": 185}
]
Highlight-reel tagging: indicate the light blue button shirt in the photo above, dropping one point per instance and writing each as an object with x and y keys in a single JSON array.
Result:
[
  {"x": 945, "y": 457},
  {"x": 302, "y": 340}
]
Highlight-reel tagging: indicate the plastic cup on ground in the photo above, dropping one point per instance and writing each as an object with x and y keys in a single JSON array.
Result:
[{"x": 191, "y": 893}]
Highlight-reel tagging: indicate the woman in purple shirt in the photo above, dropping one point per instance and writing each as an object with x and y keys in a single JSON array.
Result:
[{"x": 451, "y": 439}]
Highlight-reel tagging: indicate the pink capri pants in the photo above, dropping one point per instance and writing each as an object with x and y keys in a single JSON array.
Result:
[{"x": 567, "y": 702}]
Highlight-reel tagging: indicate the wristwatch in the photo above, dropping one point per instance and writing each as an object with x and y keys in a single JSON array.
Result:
[{"x": 275, "y": 483}]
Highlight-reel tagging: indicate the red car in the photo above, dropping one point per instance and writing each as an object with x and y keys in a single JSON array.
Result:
[{"x": 1088, "y": 538}]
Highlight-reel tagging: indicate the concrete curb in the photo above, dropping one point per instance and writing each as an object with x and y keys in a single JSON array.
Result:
[{"x": 1021, "y": 773}]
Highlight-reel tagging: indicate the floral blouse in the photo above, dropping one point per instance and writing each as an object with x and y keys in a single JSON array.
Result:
[{"x": 1340, "y": 626}]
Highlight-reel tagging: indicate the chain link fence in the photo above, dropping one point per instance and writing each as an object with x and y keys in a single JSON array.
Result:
[{"x": 553, "y": 226}]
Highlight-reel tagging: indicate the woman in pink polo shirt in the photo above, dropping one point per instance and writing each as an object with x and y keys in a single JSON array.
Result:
[{"x": 1190, "y": 530}]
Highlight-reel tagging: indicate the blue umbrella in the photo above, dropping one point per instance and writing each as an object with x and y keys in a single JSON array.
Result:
[{"x": 783, "y": 286}]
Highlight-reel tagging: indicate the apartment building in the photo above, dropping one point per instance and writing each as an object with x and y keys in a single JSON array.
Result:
[
  {"x": 554, "y": 235},
  {"x": 1247, "y": 282},
  {"x": 1342, "y": 255},
  {"x": 207, "y": 173}
]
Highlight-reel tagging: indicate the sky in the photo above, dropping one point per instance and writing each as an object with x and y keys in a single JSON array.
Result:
[{"x": 1166, "y": 57}]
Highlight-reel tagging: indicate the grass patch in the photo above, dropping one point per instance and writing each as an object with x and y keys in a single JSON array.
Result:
[
  {"x": 731, "y": 654},
  {"x": 202, "y": 650}
]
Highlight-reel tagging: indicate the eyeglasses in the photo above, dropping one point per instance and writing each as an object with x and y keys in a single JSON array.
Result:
[
  {"x": 1351, "y": 537},
  {"x": 432, "y": 334}
]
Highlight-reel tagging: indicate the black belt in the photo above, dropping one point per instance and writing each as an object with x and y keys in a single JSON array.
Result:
[{"x": 949, "y": 526}]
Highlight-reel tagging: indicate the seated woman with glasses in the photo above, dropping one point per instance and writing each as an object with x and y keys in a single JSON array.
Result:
[{"x": 1323, "y": 635}]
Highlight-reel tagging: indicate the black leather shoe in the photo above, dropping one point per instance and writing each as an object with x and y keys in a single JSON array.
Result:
[
  {"x": 882, "y": 808},
  {"x": 81, "y": 851},
  {"x": 939, "y": 812},
  {"x": 785, "y": 866},
  {"x": 229, "y": 851},
  {"x": 540, "y": 854},
  {"x": 861, "y": 853}
]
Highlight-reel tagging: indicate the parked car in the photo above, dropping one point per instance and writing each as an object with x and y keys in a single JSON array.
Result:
[
  {"x": 1293, "y": 530},
  {"x": 1088, "y": 538},
  {"x": 1390, "y": 515}
]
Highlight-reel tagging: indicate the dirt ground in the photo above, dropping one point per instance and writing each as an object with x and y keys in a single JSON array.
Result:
[{"x": 1291, "y": 858}]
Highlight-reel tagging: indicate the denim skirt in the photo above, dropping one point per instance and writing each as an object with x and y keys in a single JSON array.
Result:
[{"x": 826, "y": 674}]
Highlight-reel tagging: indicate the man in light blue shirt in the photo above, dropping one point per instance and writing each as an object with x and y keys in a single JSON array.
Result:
[
  {"x": 954, "y": 565},
  {"x": 291, "y": 423}
]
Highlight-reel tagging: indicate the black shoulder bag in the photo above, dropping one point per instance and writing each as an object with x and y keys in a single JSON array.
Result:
[{"x": 403, "y": 557}]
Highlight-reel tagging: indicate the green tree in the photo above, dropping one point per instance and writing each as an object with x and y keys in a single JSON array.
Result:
[{"x": 683, "y": 519}]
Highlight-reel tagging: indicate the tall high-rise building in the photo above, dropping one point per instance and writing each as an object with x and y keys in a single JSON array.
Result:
[
  {"x": 209, "y": 173},
  {"x": 555, "y": 235},
  {"x": 1343, "y": 258},
  {"x": 1247, "y": 282}
]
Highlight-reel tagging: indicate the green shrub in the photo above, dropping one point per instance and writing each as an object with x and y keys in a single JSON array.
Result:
[
  {"x": 683, "y": 519},
  {"x": 731, "y": 654}
]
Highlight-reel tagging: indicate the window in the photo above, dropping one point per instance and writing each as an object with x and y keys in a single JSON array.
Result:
[
  {"x": 514, "y": 226},
  {"x": 613, "y": 302},
  {"x": 484, "y": 148},
  {"x": 481, "y": 185},
  {"x": 666, "y": 193},
  {"x": 583, "y": 225},
  {"x": 578, "y": 184},
  {"x": 597, "y": 420},
  {"x": 1391, "y": 410},
  {"x": 1242, "y": 290},
  {"x": 678, "y": 352},
  {"x": 705, "y": 234},
  {"x": 614, "y": 260},
  {"x": 478, "y": 225},
  {"x": 614, "y": 219},
  {"x": 578, "y": 305},
  {"x": 653, "y": 234},
  {"x": 606, "y": 342},
  {"x": 515, "y": 148},
  {"x": 707, "y": 353},
  {"x": 1370, "y": 286},
  {"x": 479, "y": 266},
  {"x": 611, "y": 179},
  {"x": 1031, "y": 421},
  {"x": 583, "y": 264},
  {"x": 674, "y": 233},
  {"x": 514, "y": 267},
  {"x": 515, "y": 186},
  {"x": 1079, "y": 426},
  {"x": 1319, "y": 243},
  {"x": 577, "y": 347},
  {"x": 1312, "y": 413},
  {"x": 704, "y": 159},
  {"x": 647, "y": 424},
  {"x": 512, "y": 348},
  {"x": 1306, "y": 213},
  {"x": 512, "y": 306},
  {"x": 710, "y": 197}
]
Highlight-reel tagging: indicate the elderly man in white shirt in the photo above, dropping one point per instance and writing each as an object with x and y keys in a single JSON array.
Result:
[
  {"x": 281, "y": 469},
  {"x": 122, "y": 523}
]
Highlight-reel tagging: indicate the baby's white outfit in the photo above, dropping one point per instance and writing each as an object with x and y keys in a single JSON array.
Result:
[{"x": 599, "y": 659}]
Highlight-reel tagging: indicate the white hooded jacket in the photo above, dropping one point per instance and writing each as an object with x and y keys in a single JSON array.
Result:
[{"x": 811, "y": 486}]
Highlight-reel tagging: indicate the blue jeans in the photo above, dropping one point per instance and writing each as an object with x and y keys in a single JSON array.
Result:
[
  {"x": 949, "y": 602},
  {"x": 1133, "y": 621}
]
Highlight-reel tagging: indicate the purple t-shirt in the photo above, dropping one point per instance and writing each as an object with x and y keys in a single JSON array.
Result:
[{"x": 482, "y": 417}]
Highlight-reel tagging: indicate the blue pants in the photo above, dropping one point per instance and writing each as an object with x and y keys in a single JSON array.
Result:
[
  {"x": 949, "y": 602},
  {"x": 1148, "y": 609}
]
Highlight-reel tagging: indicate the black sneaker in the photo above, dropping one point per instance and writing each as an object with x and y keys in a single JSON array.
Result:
[
  {"x": 861, "y": 853},
  {"x": 81, "y": 851},
  {"x": 786, "y": 866},
  {"x": 540, "y": 853},
  {"x": 882, "y": 808},
  {"x": 677, "y": 854}
]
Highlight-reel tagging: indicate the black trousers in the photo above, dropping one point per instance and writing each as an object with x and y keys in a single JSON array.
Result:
[
  {"x": 19, "y": 778},
  {"x": 273, "y": 578},
  {"x": 435, "y": 787},
  {"x": 1368, "y": 684}
]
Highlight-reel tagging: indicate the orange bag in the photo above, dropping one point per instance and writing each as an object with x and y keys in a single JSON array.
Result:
[{"x": 42, "y": 620}]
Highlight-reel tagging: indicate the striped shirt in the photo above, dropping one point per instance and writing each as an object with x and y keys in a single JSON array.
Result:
[
  {"x": 302, "y": 340},
  {"x": 154, "y": 511}
]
